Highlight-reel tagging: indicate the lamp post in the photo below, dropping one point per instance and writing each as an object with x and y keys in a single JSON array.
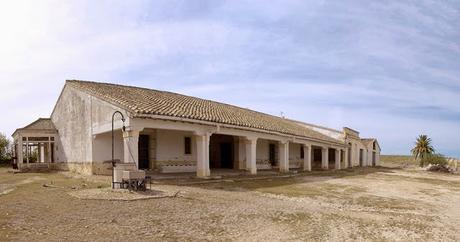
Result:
[{"x": 113, "y": 137}]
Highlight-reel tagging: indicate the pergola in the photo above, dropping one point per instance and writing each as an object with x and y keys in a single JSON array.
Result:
[{"x": 35, "y": 143}]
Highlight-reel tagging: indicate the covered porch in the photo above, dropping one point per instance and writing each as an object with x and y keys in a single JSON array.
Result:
[
  {"x": 34, "y": 145},
  {"x": 160, "y": 147}
]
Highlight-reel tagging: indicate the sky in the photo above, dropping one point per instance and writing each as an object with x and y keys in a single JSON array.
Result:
[{"x": 389, "y": 69}]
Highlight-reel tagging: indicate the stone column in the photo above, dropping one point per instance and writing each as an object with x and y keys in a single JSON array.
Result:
[
  {"x": 345, "y": 157},
  {"x": 241, "y": 153},
  {"x": 27, "y": 150},
  {"x": 19, "y": 151},
  {"x": 365, "y": 156},
  {"x": 284, "y": 156},
  {"x": 337, "y": 159},
  {"x": 131, "y": 147},
  {"x": 251, "y": 151},
  {"x": 354, "y": 158},
  {"x": 41, "y": 147},
  {"x": 49, "y": 151},
  {"x": 202, "y": 155},
  {"x": 325, "y": 158},
  {"x": 306, "y": 157}
]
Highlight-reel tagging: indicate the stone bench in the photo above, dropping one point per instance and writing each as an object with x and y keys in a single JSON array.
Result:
[
  {"x": 177, "y": 168},
  {"x": 264, "y": 166}
]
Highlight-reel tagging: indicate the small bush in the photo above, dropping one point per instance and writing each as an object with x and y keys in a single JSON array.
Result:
[{"x": 434, "y": 159}]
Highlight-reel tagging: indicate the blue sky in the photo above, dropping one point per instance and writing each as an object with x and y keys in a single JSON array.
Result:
[{"x": 390, "y": 69}]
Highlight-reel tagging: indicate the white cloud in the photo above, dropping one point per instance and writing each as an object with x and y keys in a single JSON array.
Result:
[{"x": 332, "y": 63}]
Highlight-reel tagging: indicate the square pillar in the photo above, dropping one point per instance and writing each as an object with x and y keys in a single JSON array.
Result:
[
  {"x": 41, "y": 148},
  {"x": 131, "y": 147},
  {"x": 353, "y": 155},
  {"x": 241, "y": 153},
  {"x": 284, "y": 156},
  {"x": 345, "y": 158},
  {"x": 27, "y": 150},
  {"x": 357, "y": 155},
  {"x": 364, "y": 157},
  {"x": 337, "y": 159},
  {"x": 202, "y": 155},
  {"x": 251, "y": 150},
  {"x": 368, "y": 158},
  {"x": 49, "y": 151},
  {"x": 19, "y": 151},
  {"x": 325, "y": 158},
  {"x": 306, "y": 157}
]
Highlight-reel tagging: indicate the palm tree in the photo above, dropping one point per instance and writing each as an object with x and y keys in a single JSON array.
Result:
[{"x": 422, "y": 147}]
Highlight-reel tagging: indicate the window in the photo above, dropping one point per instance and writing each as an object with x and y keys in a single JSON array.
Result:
[
  {"x": 301, "y": 152},
  {"x": 38, "y": 138},
  {"x": 188, "y": 145}
]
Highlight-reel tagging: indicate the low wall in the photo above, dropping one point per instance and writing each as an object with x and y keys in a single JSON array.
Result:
[
  {"x": 83, "y": 168},
  {"x": 176, "y": 166},
  {"x": 86, "y": 168}
]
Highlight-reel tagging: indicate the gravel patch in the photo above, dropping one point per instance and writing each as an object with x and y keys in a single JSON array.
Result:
[
  {"x": 6, "y": 188},
  {"x": 122, "y": 194},
  {"x": 363, "y": 205}
]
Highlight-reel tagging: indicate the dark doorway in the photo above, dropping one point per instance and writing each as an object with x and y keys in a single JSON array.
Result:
[
  {"x": 226, "y": 155},
  {"x": 221, "y": 151},
  {"x": 317, "y": 158},
  {"x": 342, "y": 158},
  {"x": 144, "y": 152},
  {"x": 331, "y": 157},
  {"x": 373, "y": 159},
  {"x": 272, "y": 154}
]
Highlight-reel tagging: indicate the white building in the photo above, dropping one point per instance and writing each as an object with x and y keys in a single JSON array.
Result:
[{"x": 170, "y": 132}]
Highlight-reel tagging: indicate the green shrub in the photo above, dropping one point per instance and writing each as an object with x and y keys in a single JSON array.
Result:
[{"x": 434, "y": 159}]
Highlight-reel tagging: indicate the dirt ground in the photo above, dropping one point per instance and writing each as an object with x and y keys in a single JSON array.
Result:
[{"x": 371, "y": 204}]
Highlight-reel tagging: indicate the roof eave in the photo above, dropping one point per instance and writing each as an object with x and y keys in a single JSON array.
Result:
[{"x": 172, "y": 118}]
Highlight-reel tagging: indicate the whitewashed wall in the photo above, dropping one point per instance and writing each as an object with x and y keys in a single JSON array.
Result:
[
  {"x": 170, "y": 147},
  {"x": 294, "y": 155},
  {"x": 102, "y": 147},
  {"x": 72, "y": 119},
  {"x": 101, "y": 113},
  {"x": 356, "y": 146},
  {"x": 262, "y": 149}
]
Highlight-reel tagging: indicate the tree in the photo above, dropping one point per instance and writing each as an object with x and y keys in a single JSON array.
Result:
[
  {"x": 422, "y": 147},
  {"x": 5, "y": 146}
]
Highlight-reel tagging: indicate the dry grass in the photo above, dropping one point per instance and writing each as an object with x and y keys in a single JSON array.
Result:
[
  {"x": 378, "y": 204},
  {"x": 398, "y": 161}
]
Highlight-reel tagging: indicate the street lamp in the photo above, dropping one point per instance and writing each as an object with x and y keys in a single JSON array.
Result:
[{"x": 113, "y": 137}]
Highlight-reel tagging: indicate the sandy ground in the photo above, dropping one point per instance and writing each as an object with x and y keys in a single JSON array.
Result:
[{"x": 371, "y": 204}]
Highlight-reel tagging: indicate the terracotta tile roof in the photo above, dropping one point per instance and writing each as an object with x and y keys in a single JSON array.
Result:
[
  {"x": 142, "y": 102},
  {"x": 41, "y": 124}
]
